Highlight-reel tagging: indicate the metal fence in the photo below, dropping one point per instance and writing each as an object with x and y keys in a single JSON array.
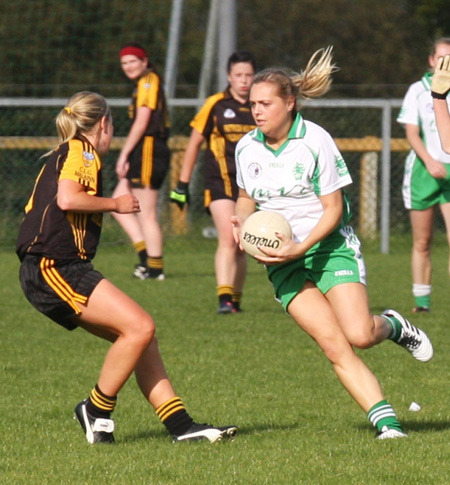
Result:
[{"x": 366, "y": 132}]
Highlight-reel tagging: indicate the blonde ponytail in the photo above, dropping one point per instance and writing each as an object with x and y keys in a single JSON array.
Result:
[
  {"x": 82, "y": 112},
  {"x": 315, "y": 80},
  {"x": 312, "y": 82}
]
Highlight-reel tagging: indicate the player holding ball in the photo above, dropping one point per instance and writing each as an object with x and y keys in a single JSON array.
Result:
[{"x": 292, "y": 166}]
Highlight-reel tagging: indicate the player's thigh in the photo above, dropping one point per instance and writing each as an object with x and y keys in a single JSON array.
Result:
[
  {"x": 122, "y": 188},
  {"x": 445, "y": 211},
  {"x": 148, "y": 201},
  {"x": 350, "y": 305},
  {"x": 221, "y": 211},
  {"x": 112, "y": 311},
  {"x": 314, "y": 314},
  {"x": 422, "y": 224}
]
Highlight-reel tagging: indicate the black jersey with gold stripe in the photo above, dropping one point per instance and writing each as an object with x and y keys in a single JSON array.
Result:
[
  {"x": 149, "y": 92},
  {"x": 46, "y": 229},
  {"x": 223, "y": 121}
]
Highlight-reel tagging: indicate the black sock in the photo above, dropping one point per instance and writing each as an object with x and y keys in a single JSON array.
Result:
[
  {"x": 174, "y": 416},
  {"x": 100, "y": 405}
]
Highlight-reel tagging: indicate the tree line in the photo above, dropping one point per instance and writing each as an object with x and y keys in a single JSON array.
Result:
[{"x": 380, "y": 47}]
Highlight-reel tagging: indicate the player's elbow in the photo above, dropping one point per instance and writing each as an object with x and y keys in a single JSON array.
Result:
[{"x": 64, "y": 202}]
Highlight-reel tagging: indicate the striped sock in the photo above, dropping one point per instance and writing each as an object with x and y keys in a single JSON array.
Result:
[
  {"x": 100, "y": 405},
  {"x": 224, "y": 292},
  {"x": 382, "y": 415},
  {"x": 174, "y": 416},
  {"x": 236, "y": 299},
  {"x": 141, "y": 251},
  {"x": 155, "y": 265}
]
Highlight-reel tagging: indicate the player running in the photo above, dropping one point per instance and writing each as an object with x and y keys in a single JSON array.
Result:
[
  {"x": 292, "y": 166},
  {"x": 58, "y": 239}
]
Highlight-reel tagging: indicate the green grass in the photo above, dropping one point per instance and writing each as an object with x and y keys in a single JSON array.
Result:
[{"x": 255, "y": 369}]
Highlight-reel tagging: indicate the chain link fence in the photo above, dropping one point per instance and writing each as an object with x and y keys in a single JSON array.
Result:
[{"x": 366, "y": 132}]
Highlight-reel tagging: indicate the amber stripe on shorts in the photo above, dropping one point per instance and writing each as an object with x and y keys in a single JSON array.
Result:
[
  {"x": 147, "y": 161},
  {"x": 60, "y": 286}
]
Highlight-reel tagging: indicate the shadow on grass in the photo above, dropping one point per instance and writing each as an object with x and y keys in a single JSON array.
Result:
[
  {"x": 243, "y": 430},
  {"x": 417, "y": 427}
]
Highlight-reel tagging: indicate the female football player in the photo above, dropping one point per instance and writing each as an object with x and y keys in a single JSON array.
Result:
[
  {"x": 292, "y": 166},
  {"x": 58, "y": 239},
  {"x": 144, "y": 160},
  {"x": 426, "y": 181},
  {"x": 223, "y": 120}
]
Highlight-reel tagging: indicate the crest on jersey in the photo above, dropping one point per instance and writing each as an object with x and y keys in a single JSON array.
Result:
[
  {"x": 254, "y": 170},
  {"x": 341, "y": 167},
  {"x": 229, "y": 113},
  {"x": 299, "y": 169},
  {"x": 88, "y": 158}
]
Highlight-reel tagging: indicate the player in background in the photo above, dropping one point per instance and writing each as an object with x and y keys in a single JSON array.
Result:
[
  {"x": 58, "y": 239},
  {"x": 144, "y": 160},
  {"x": 426, "y": 181},
  {"x": 440, "y": 87},
  {"x": 292, "y": 166},
  {"x": 222, "y": 121}
]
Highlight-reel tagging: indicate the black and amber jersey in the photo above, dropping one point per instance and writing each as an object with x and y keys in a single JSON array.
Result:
[
  {"x": 223, "y": 121},
  {"x": 149, "y": 92},
  {"x": 47, "y": 230}
]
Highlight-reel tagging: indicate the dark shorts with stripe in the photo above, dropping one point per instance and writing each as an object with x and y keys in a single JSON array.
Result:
[
  {"x": 149, "y": 163},
  {"x": 217, "y": 189},
  {"x": 56, "y": 287}
]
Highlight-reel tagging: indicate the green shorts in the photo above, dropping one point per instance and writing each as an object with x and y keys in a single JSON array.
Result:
[
  {"x": 420, "y": 189},
  {"x": 335, "y": 260}
]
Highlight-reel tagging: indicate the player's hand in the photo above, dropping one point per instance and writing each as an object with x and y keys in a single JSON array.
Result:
[
  {"x": 122, "y": 167},
  {"x": 436, "y": 169},
  {"x": 126, "y": 204},
  {"x": 288, "y": 251},
  {"x": 237, "y": 225},
  {"x": 440, "y": 82},
  {"x": 180, "y": 194}
]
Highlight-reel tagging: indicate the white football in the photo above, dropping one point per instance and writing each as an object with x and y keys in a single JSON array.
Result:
[{"x": 259, "y": 230}]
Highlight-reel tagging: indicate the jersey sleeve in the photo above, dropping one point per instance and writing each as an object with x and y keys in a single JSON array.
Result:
[
  {"x": 203, "y": 121},
  {"x": 409, "y": 112},
  {"x": 147, "y": 91},
  {"x": 81, "y": 166},
  {"x": 331, "y": 172}
]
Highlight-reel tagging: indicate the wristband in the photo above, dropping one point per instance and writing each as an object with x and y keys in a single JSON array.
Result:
[{"x": 439, "y": 95}]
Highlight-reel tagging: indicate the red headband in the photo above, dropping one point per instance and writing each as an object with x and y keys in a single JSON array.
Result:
[{"x": 133, "y": 51}]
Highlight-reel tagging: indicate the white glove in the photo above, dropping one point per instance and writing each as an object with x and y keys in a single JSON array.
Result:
[{"x": 440, "y": 82}]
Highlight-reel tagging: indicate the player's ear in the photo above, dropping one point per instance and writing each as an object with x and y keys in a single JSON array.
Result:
[
  {"x": 105, "y": 124},
  {"x": 291, "y": 103}
]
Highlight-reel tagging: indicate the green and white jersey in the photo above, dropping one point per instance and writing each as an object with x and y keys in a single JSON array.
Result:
[
  {"x": 290, "y": 179},
  {"x": 417, "y": 109}
]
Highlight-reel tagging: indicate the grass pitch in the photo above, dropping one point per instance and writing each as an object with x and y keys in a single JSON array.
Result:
[{"x": 255, "y": 369}]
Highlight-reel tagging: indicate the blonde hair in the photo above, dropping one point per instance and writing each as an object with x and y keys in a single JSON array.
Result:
[
  {"x": 313, "y": 82},
  {"x": 81, "y": 113}
]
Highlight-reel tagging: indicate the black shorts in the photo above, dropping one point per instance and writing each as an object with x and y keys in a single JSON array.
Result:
[
  {"x": 216, "y": 189},
  {"x": 149, "y": 163},
  {"x": 56, "y": 287}
]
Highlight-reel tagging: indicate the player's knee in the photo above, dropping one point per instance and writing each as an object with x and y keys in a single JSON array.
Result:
[
  {"x": 142, "y": 331},
  {"x": 332, "y": 350},
  {"x": 422, "y": 245},
  {"x": 362, "y": 340}
]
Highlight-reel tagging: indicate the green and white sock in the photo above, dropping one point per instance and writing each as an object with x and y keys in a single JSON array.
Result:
[
  {"x": 396, "y": 327},
  {"x": 382, "y": 414},
  {"x": 422, "y": 295}
]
